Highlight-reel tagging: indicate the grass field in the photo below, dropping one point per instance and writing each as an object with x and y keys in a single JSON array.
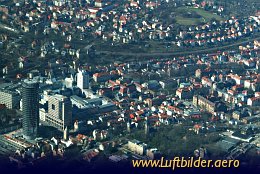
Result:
[{"x": 206, "y": 16}]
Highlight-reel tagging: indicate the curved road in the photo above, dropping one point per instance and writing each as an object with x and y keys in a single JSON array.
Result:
[{"x": 200, "y": 51}]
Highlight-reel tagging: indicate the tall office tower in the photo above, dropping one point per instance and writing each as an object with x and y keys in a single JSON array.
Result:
[
  {"x": 83, "y": 79},
  {"x": 30, "y": 108},
  {"x": 59, "y": 112}
]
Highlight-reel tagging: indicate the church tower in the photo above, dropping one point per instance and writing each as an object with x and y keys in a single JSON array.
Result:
[
  {"x": 146, "y": 127},
  {"x": 128, "y": 127}
]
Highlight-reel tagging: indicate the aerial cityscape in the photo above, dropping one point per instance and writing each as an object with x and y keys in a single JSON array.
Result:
[{"x": 87, "y": 85}]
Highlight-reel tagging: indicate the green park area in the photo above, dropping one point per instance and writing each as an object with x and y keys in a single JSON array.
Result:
[{"x": 194, "y": 16}]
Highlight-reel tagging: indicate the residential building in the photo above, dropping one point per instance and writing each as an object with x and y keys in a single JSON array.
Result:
[
  {"x": 203, "y": 103},
  {"x": 137, "y": 147},
  {"x": 184, "y": 93},
  {"x": 254, "y": 101},
  {"x": 101, "y": 77},
  {"x": 10, "y": 99}
]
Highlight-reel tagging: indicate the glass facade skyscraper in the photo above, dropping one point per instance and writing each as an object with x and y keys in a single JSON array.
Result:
[{"x": 30, "y": 108}]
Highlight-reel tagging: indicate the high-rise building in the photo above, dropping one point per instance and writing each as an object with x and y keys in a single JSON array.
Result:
[
  {"x": 30, "y": 108},
  {"x": 83, "y": 79},
  {"x": 59, "y": 112}
]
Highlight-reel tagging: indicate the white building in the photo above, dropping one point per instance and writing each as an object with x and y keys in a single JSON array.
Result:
[
  {"x": 42, "y": 114},
  {"x": 69, "y": 82},
  {"x": 254, "y": 101},
  {"x": 82, "y": 79},
  {"x": 137, "y": 147}
]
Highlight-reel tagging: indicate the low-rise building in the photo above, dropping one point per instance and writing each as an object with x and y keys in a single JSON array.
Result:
[
  {"x": 153, "y": 153},
  {"x": 101, "y": 77},
  {"x": 10, "y": 99},
  {"x": 184, "y": 93},
  {"x": 254, "y": 101},
  {"x": 203, "y": 103},
  {"x": 137, "y": 147}
]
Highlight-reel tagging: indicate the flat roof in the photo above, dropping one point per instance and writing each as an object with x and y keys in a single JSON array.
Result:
[
  {"x": 30, "y": 81},
  {"x": 4, "y": 85}
]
